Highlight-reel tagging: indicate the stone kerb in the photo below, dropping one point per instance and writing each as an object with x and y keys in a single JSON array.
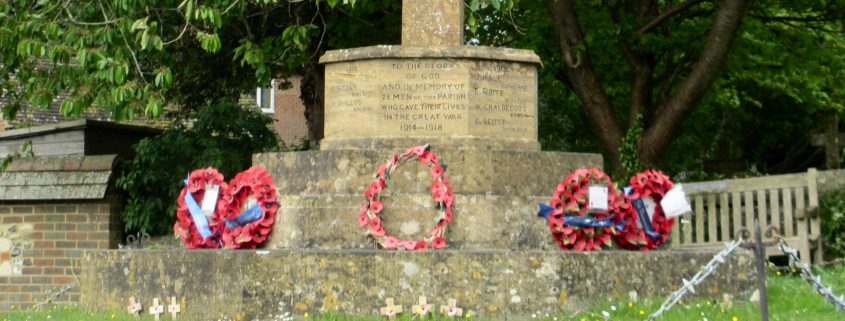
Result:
[
  {"x": 269, "y": 285},
  {"x": 464, "y": 97}
]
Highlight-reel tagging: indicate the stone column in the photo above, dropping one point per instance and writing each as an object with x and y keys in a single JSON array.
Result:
[{"x": 432, "y": 23}]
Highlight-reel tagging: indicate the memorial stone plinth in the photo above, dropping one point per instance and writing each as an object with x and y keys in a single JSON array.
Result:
[
  {"x": 464, "y": 97},
  {"x": 477, "y": 108}
]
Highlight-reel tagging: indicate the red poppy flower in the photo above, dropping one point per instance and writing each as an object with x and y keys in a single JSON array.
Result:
[
  {"x": 429, "y": 158},
  {"x": 436, "y": 171},
  {"x": 376, "y": 207},
  {"x": 362, "y": 219},
  {"x": 410, "y": 245},
  {"x": 375, "y": 223},
  {"x": 420, "y": 150},
  {"x": 378, "y": 232},
  {"x": 421, "y": 246},
  {"x": 438, "y": 243},
  {"x": 390, "y": 242},
  {"x": 371, "y": 191}
]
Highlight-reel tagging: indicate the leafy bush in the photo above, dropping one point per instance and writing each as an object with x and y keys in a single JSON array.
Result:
[
  {"x": 223, "y": 136},
  {"x": 833, "y": 222}
]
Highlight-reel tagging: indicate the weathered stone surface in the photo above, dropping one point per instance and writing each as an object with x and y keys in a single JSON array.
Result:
[
  {"x": 462, "y": 103},
  {"x": 469, "y": 52},
  {"x": 264, "y": 285},
  {"x": 495, "y": 208},
  {"x": 480, "y": 222},
  {"x": 470, "y": 172},
  {"x": 432, "y": 22}
]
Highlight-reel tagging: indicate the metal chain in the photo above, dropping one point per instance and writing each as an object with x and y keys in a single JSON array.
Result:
[
  {"x": 705, "y": 271},
  {"x": 814, "y": 280}
]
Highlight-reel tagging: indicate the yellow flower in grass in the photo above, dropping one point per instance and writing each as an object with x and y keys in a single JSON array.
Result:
[
  {"x": 642, "y": 312},
  {"x": 306, "y": 315},
  {"x": 777, "y": 273},
  {"x": 630, "y": 305},
  {"x": 734, "y": 319},
  {"x": 468, "y": 315}
]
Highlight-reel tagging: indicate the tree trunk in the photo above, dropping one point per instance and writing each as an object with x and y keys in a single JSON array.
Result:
[
  {"x": 670, "y": 115},
  {"x": 312, "y": 95},
  {"x": 580, "y": 74}
]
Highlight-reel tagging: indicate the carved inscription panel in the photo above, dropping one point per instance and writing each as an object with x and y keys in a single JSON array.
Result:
[{"x": 456, "y": 98}]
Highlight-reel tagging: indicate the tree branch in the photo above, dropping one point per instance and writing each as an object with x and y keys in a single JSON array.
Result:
[
  {"x": 582, "y": 78},
  {"x": 704, "y": 73},
  {"x": 666, "y": 14}
]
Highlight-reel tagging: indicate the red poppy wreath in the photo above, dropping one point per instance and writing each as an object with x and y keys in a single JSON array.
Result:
[
  {"x": 573, "y": 225},
  {"x": 199, "y": 227},
  {"x": 370, "y": 215},
  {"x": 646, "y": 229},
  {"x": 249, "y": 209}
]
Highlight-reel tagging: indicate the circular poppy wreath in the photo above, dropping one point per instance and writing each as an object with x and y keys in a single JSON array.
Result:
[
  {"x": 652, "y": 184},
  {"x": 372, "y": 209},
  {"x": 249, "y": 209},
  {"x": 570, "y": 200},
  {"x": 185, "y": 226}
]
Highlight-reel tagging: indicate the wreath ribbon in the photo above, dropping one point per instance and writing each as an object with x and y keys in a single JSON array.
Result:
[
  {"x": 586, "y": 220},
  {"x": 196, "y": 213},
  {"x": 246, "y": 217},
  {"x": 642, "y": 215}
]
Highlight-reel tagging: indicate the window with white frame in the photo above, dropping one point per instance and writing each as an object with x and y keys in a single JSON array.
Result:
[{"x": 265, "y": 97}]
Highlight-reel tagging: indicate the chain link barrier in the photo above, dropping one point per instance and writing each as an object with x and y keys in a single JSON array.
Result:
[
  {"x": 814, "y": 280},
  {"x": 702, "y": 274},
  {"x": 719, "y": 258}
]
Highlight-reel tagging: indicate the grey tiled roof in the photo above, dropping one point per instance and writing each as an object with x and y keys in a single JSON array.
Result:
[{"x": 57, "y": 178}]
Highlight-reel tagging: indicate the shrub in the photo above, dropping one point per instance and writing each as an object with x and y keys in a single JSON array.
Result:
[
  {"x": 223, "y": 136},
  {"x": 832, "y": 210}
]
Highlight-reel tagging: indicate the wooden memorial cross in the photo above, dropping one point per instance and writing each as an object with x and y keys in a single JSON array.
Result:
[
  {"x": 173, "y": 308},
  {"x": 451, "y": 309},
  {"x": 391, "y": 310},
  {"x": 156, "y": 309},
  {"x": 832, "y": 141},
  {"x": 432, "y": 23},
  {"x": 134, "y": 306},
  {"x": 422, "y": 308}
]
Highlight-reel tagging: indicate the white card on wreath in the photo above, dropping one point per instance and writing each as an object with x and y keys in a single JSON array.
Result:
[
  {"x": 597, "y": 198},
  {"x": 675, "y": 203},
  {"x": 209, "y": 200}
]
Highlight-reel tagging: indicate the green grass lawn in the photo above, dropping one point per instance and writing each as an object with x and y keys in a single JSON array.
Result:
[{"x": 790, "y": 298}]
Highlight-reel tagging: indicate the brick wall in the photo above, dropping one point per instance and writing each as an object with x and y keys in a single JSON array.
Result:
[
  {"x": 41, "y": 244},
  {"x": 289, "y": 115}
]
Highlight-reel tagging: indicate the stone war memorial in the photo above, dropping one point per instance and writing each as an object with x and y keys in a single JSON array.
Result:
[{"x": 476, "y": 107}]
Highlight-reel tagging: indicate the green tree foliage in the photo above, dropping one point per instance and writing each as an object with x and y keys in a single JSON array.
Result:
[
  {"x": 619, "y": 58},
  {"x": 224, "y": 136},
  {"x": 711, "y": 78}
]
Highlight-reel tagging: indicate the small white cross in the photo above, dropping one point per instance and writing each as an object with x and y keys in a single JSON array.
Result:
[
  {"x": 173, "y": 308},
  {"x": 134, "y": 306},
  {"x": 421, "y": 309},
  {"x": 391, "y": 310},
  {"x": 156, "y": 309},
  {"x": 451, "y": 309}
]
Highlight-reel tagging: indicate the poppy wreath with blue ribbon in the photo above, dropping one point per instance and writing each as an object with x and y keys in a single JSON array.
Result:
[
  {"x": 195, "y": 228},
  {"x": 572, "y": 224},
  {"x": 640, "y": 233},
  {"x": 372, "y": 209},
  {"x": 249, "y": 209}
]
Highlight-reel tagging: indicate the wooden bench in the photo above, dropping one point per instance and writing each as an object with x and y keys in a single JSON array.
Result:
[{"x": 789, "y": 202}]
